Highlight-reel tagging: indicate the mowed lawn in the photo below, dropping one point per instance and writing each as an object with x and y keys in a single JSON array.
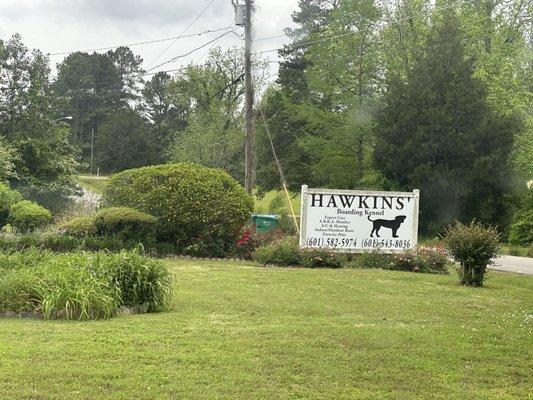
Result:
[
  {"x": 238, "y": 331},
  {"x": 92, "y": 183}
]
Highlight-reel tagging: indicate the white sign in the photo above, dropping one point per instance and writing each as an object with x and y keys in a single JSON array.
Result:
[{"x": 357, "y": 221}]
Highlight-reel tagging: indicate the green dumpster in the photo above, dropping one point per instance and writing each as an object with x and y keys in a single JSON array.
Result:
[{"x": 265, "y": 223}]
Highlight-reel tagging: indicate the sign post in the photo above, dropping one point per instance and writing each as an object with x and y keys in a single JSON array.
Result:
[{"x": 356, "y": 221}]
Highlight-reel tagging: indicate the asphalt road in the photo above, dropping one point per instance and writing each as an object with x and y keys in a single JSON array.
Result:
[{"x": 519, "y": 265}]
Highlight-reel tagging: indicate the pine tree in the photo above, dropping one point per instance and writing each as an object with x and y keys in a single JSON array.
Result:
[{"x": 437, "y": 133}]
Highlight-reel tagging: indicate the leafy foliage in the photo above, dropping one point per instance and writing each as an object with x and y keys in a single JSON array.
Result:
[
  {"x": 284, "y": 252},
  {"x": 455, "y": 151},
  {"x": 193, "y": 204},
  {"x": 125, "y": 223},
  {"x": 521, "y": 232},
  {"x": 320, "y": 258},
  {"x": 8, "y": 197},
  {"x": 27, "y": 216},
  {"x": 41, "y": 157},
  {"x": 79, "y": 227},
  {"x": 132, "y": 140},
  {"x": 473, "y": 246}
]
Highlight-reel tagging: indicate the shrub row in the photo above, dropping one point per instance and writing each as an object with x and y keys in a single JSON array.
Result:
[
  {"x": 122, "y": 223},
  {"x": 81, "y": 285},
  {"x": 66, "y": 244},
  {"x": 285, "y": 252}
]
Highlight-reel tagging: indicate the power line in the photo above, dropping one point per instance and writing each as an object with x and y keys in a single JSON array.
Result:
[
  {"x": 141, "y": 43},
  {"x": 191, "y": 51},
  {"x": 182, "y": 33},
  {"x": 270, "y": 37}
]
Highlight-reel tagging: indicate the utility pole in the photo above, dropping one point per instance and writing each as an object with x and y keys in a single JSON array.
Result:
[
  {"x": 92, "y": 148},
  {"x": 249, "y": 101}
]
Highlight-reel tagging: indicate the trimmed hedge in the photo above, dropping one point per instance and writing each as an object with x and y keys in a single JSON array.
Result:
[
  {"x": 195, "y": 205},
  {"x": 27, "y": 216},
  {"x": 8, "y": 197},
  {"x": 79, "y": 227},
  {"x": 126, "y": 223}
]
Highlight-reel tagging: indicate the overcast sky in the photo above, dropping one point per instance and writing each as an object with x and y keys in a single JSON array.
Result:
[{"x": 65, "y": 25}]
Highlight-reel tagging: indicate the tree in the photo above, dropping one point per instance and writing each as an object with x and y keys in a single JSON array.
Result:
[
  {"x": 43, "y": 160},
  {"x": 91, "y": 87},
  {"x": 158, "y": 109},
  {"x": 437, "y": 133},
  {"x": 125, "y": 141},
  {"x": 211, "y": 99},
  {"x": 6, "y": 161}
]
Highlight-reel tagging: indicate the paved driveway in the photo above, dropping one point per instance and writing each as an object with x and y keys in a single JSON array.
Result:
[{"x": 519, "y": 265}]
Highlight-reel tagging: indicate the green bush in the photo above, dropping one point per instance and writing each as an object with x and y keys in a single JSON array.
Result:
[
  {"x": 320, "y": 258},
  {"x": 284, "y": 252},
  {"x": 79, "y": 227},
  {"x": 193, "y": 204},
  {"x": 473, "y": 246},
  {"x": 81, "y": 285},
  {"x": 420, "y": 260},
  {"x": 126, "y": 223},
  {"x": 26, "y": 216},
  {"x": 372, "y": 260},
  {"x": 8, "y": 197}
]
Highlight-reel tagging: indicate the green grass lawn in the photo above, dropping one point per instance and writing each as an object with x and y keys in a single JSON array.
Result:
[
  {"x": 93, "y": 184},
  {"x": 262, "y": 205},
  {"x": 237, "y": 331}
]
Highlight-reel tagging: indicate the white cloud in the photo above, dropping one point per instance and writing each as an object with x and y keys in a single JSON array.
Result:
[{"x": 63, "y": 25}]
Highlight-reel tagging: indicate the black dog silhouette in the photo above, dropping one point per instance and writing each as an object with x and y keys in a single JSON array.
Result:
[{"x": 392, "y": 224}]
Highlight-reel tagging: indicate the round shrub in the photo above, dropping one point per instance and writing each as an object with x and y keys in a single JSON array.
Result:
[
  {"x": 27, "y": 216},
  {"x": 125, "y": 223},
  {"x": 473, "y": 246},
  {"x": 8, "y": 197},
  {"x": 79, "y": 227},
  {"x": 193, "y": 204}
]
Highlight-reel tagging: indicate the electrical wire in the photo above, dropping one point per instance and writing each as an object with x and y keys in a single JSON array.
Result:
[
  {"x": 141, "y": 43},
  {"x": 191, "y": 51},
  {"x": 182, "y": 33}
]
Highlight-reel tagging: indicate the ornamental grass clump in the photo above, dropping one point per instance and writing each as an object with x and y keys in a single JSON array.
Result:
[
  {"x": 473, "y": 246},
  {"x": 82, "y": 286},
  {"x": 141, "y": 281}
]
